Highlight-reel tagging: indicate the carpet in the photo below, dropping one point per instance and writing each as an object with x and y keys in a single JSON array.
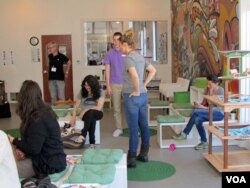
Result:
[
  {"x": 13, "y": 132},
  {"x": 150, "y": 171},
  {"x": 125, "y": 133}
]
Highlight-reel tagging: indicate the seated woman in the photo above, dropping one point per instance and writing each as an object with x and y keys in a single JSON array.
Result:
[
  {"x": 40, "y": 135},
  {"x": 91, "y": 100},
  {"x": 201, "y": 113}
]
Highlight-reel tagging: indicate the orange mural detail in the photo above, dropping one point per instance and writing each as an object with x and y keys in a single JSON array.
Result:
[{"x": 199, "y": 30}]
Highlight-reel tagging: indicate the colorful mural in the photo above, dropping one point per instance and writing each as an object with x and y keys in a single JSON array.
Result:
[{"x": 201, "y": 28}]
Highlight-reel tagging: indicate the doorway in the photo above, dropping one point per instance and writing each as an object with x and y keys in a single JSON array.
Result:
[{"x": 65, "y": 47}]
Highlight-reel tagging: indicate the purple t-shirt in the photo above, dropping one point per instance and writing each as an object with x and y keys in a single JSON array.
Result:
[{"x": 115, "y": 59}]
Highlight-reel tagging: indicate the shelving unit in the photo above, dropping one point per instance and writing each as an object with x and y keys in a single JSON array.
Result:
[{"x": 228, "y": 160}]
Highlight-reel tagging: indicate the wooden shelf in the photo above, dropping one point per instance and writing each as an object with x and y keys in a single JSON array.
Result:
[
  {"x": 220, "y": 134},
  {"x": 238, "y": 161},
  {"x": 228, "y": 160},
  {"x": 226, "y": 106}
]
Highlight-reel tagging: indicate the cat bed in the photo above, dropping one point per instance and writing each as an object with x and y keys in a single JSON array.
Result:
[
  {"x": 61, "y": 106},
  {"x": 170, "y": 119},
  {"x": 243, "y": 132},
  {"x": 78, "y": 111},
  {"x": 61, "y": 113},
  {"x": 182, "y": 106},
  {"x": 101, "y": 156},
  {"x": 159, "y": 103},
  {"x": 100, "y": 174},
  {"x": 69, "y": 141}
]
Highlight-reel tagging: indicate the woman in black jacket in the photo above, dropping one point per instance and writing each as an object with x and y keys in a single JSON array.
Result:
[{"x": 40, "y": 134}]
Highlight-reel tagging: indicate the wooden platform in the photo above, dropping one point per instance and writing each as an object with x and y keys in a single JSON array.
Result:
[{"x": 237, "y": 161}]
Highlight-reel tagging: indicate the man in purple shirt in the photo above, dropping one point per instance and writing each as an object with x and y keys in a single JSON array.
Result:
[{"x": 114, "y": 66}]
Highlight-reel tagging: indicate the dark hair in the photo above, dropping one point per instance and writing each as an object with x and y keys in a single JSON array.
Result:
[
  {"x": 94, "y": 86},
  {"x": 213, "y": 78},
  {"x": 118, "y": 34},
  {"x": 30, "y": 105}
]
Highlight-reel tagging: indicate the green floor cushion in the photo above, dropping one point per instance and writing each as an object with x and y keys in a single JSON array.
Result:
[
  {"x": 84, "y": 173},
  {"x": 183, "y": 106},
  {"x": 67, "y": 106},
  {"x": 159, "y": 103},
  {"x": 57, "y": 176},
  {"x": 170, "y": 119},
  {"x": 78, "y": 111},
  {"x": 186, "y": 112},
  {"x": 61, "y": 113},
  {"x": 101, "y": 156}
]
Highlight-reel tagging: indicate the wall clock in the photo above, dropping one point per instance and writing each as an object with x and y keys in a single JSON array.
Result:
[{"x": 34, "y": 41}]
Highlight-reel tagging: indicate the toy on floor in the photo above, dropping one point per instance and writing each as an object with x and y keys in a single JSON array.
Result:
[{"x": 172, "y": 147}]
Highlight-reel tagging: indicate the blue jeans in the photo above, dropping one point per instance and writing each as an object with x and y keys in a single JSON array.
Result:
[
  {"x": 198, "y": 117},
  {"x": 56, "y": 88},
  {"x": 135, "y": 108}
]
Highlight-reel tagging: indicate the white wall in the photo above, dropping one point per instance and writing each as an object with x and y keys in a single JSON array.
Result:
[{"x": 21, "y": 19}]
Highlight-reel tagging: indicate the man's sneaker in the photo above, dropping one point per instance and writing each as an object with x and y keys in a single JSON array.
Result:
[
  {"x": 202, "y": 145},
  {"x": 180, "y": 136},
  {"x": 117, "y": 132}
]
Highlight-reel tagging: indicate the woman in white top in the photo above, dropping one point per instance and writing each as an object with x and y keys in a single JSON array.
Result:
[{"x": 8, "y": 169}]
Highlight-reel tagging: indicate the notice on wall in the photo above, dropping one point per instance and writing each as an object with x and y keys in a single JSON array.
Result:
[
  {"x": 35, "y": 55},
  {"x": 7, "y": 57}
]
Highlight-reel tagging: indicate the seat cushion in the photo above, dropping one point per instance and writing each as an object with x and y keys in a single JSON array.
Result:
[
  {"x": 170, "y": 119},
  {"x": 90, "y": 173},
  {"x": 61, "y": 106},
  {"x": 101, "y": 156},
  {"x": 61, "y": 113},
  {"x": 159, "y": 103},
  {"x": 186, "y": 112},
  {"x": 182, "y": 106},
  {"x": 57, "y": 176}
]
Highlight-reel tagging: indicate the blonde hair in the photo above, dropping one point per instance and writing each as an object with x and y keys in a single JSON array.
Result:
[{"x": 129, "y": 38}]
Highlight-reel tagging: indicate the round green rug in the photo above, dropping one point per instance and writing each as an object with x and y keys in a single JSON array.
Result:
[
  {"x": 125, "y": 133},
  {"x": 150, "y": 171},
  {"x": 13, "y": 132}
]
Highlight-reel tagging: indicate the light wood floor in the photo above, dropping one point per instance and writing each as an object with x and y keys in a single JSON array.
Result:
[{"x": 192, "y": 170}]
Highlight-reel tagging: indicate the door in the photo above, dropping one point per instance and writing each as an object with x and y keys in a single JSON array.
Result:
[{"x": 64, "y": 42}]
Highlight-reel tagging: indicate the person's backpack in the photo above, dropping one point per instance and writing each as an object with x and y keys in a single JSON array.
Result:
[{"x": 37, "y": 183}]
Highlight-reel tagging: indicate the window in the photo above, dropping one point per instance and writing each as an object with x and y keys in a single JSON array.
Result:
[{"x": 152, "y": 39}]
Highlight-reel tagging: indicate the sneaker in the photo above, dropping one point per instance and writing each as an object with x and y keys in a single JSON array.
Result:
[
  {"x": 117, "y": 132},
  {"x": 180, "y": 136},
  {"x": 200, "y": 146}
]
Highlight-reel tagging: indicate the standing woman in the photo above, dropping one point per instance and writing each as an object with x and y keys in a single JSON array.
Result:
[
  {"x": 136, "y": 98},
  {"x": 40, "y": 135},
  {"x": 91, "y": 100}
]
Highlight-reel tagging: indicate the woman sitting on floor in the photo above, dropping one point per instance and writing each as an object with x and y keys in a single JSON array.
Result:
[
  {"x": 201, "y": 113},
  {"x": 91, "y": 100}
]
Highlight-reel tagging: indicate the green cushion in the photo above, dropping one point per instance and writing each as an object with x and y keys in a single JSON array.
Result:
[
  {"x": 170, "y": 119},
  {"x": 200, "y": 82},
  {"x": 102, "y": 174},
  {"x": 61, "y": 113},
  {"x": 159, "y": 103},
  {"x": 61, "y": 106},
  {"x": 101, "y": 156},
  {"x": 57, "y": 176},
  {"x": 78, "y": 111},
  {"x": 182, "y": 97},
  {"x": 183, "y": 106},
  {"x": 186, "y": 112}
]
